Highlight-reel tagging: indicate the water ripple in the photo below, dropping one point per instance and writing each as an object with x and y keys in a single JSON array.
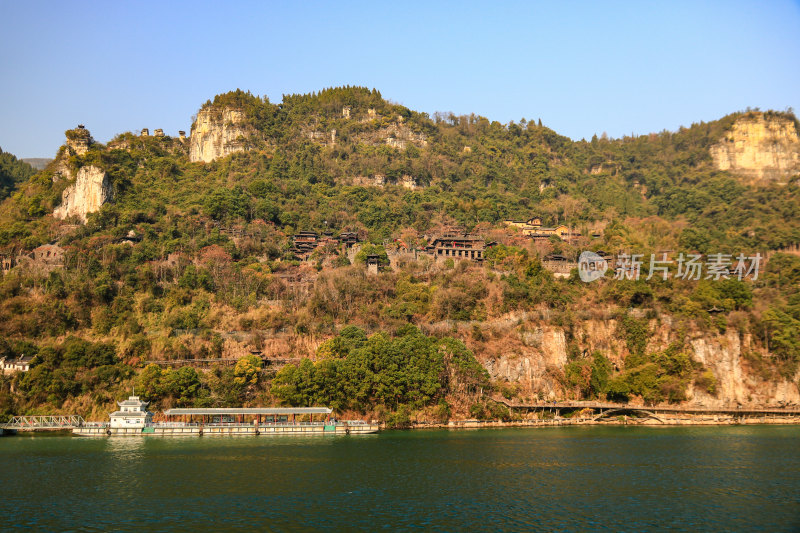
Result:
[{"x": 557, "y": 479}]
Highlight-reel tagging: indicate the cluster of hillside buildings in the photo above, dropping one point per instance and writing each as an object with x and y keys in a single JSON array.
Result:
[
  {"x": 454, "y": 243},
  {"x": 450, "y": 244},
  {"x": 533, "y": 228},
  {"x": 457, "y": 245},
  {"x": 48, "y": 257},
  {"x": 305, "y": 242}
]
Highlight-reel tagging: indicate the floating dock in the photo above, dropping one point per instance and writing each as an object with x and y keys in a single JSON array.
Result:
[
  {"x": 132, "y": 420},
  {"x": 198, "y": 429}
]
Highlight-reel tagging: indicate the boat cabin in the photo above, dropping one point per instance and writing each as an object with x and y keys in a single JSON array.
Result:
[{"x": 131, "y": 414}]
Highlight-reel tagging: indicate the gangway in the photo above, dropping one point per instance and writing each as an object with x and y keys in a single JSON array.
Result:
[{"x": 43, "y": 422}]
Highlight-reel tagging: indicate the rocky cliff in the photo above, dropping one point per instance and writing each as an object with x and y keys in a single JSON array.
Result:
[
  {"x": 535, "y": 357},
  {"x": 395, "y": 135},
  {"x": 91, "y": 190},
  {"x": 760, "y": 147},
  {"x": 79, "y": 140},
  {"x": 218, "y": 132}
]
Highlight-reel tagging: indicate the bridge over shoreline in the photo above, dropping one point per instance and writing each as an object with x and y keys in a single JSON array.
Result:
[{"x": 658, "y": 412}]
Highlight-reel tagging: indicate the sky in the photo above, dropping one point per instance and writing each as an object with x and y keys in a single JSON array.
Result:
[{"x": 583, "y": 68}]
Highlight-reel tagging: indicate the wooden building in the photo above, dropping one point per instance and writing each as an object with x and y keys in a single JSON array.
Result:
[
  {"x": 559, "y": 265},
  {"x": 305, "y": 242},
  {"x": 458, "y": 246}
]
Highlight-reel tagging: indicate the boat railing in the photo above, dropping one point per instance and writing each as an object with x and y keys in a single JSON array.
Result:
[
  {"x": 165, "y": 424},
  {"x": 262, "y": 424},
  {"x": 291, "y": 424}
]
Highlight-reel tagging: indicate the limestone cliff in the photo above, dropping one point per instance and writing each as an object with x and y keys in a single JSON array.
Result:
[
  {"x": 218, "y": 132},
  {"x": 535, "y": 357},
  {"x": 371, "y": 132},
  {"x": 91, "y": 190},
  {"x": 760, "y": 147},
  {"x": 379, "y": 180}
]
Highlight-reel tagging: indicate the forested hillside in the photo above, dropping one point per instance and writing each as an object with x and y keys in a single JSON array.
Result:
[
  {"x": 12, "y": 172},
  {"x": 192, "y": 260}
]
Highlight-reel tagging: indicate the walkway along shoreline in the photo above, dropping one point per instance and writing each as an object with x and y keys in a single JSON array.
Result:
[
  {"x": 266, "y": 420},
  {"x": 587, "y": 413},
  {"x": 617, "y": 421},
  {"x": 494, "y": 424}
]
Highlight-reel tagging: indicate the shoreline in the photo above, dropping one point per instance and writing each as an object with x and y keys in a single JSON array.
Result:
[
  {"x": 460, "y": 425},
  {"x": 623, "y": 421},
  {"x": 609, "y": 415}
]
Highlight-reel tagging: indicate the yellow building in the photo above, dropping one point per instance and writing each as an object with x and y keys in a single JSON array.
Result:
[
  {"x": 529, "y": 225},
  {"x": 533, "y": 228}
]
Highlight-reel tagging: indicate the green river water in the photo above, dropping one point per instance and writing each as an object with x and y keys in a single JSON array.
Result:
[{"x": 555, "y": 479}]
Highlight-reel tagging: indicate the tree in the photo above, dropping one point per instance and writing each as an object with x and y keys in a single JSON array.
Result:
[
  {"x": 224, "y": 204},
  {"x": 181, "y": 384},
  {"x": 12, "y": 172},
  {"x": 372, "y": 249},
  {"x": 601, "y": 371},
  {"x": 150, "y": 383},
  {"x": 247, "y": 371}
]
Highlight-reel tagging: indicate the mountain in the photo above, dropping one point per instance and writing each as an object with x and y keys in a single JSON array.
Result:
[{"x": 181, "y": 248}]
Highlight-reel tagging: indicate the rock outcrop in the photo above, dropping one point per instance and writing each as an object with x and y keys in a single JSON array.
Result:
[
  {"x": 760, "y": 147},
  {"x": 534, "y": 359},
  {"x": 91, "y": 190},
  {"x": 543, "y": 350},
  {"x": 397, "y": 134},
  {"x": 409, "y": 182},
  {"x": 79, "y": 140},
  {"x": 218, "y": 132},
  {"x": 378, "y": 180}
]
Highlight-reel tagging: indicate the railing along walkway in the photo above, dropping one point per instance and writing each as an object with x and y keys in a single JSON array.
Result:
[
  {"x": 653, "y": 408},
  {"x": 44, "y": 422}
]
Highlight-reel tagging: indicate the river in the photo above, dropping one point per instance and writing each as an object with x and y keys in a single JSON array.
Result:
[{"x": 617, "y": 478}]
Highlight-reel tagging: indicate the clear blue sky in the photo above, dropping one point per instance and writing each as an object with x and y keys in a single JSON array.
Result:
[{"x": 582, "y": 67}]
